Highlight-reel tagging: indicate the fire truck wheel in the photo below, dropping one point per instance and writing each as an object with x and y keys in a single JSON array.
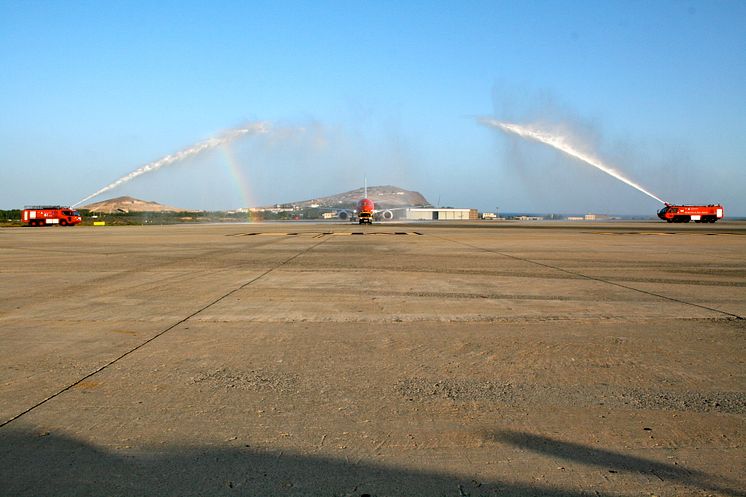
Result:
[{"x": 63, "y": 222}]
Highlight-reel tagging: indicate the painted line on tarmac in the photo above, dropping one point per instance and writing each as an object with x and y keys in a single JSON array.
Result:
[
  {"x": 661, "y": 233},
  {"x": 592, "y": 278},
  {"x": 316, "y": 234},
  {"x": 162, "y": 332}
]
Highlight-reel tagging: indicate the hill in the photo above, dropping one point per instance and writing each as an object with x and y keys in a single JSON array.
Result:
[
  {"x": 129, "y": 204},
  {"x": 386, "y": 197}
]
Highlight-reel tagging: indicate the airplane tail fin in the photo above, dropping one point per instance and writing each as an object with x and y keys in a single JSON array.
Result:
[{"x": 365, "y": 195}]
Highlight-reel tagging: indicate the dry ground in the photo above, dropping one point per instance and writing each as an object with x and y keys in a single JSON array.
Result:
[{"x": 331, "y": 359}]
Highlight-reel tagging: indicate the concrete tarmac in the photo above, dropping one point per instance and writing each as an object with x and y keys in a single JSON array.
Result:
[{"x": 464, "y": 359}]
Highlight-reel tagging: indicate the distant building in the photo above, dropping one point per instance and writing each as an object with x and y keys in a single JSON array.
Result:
[
  {"x": 273, "y": 210},
  {"x": 588, "y": 217},
  {"x": 596, "y": 217}
]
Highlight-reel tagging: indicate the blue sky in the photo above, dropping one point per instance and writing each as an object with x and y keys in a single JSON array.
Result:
[{"x": 93, "y": 90}]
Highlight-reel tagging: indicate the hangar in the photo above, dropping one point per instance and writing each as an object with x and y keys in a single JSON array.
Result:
[{"x": 438, "y": 214}]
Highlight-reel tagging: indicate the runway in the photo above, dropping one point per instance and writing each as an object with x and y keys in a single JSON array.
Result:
[{"x": 394, "y": 359}]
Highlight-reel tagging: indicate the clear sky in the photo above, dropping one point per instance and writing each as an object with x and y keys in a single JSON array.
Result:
[{"x": 90, "y": 91}]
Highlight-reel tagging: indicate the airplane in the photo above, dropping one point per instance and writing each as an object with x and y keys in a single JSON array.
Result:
[{"x": 365, "y": 211}]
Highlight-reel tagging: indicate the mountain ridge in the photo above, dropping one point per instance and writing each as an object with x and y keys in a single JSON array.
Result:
[
  {"x": 385, "y": 196},
  {"x": 131, "y": 204}
]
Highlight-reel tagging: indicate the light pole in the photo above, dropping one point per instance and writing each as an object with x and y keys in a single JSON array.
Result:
[{"x": 497, "y": 213}]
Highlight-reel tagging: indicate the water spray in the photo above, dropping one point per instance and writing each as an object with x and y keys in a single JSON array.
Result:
[
  {"x": 228, "y": 136},
  {"x": 560, "y": 143}
]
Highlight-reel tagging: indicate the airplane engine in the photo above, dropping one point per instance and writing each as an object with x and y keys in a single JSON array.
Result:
[
  {"x": 387, "y": 215},
  {"x": 344, "y": 215}
]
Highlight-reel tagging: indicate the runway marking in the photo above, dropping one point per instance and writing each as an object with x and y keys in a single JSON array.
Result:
[
  {"x": 592, "y": 278},
  {"x": 316, "y": 234},
  {"x": 374, "y": 233},
  {"x": 660, "y": 233},
  {"x": 162, "y": 332}
]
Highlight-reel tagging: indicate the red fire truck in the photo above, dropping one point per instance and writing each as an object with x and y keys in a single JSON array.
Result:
[
  {"x": 43, "y": 215},
  {"x": 686, "y": 213}
]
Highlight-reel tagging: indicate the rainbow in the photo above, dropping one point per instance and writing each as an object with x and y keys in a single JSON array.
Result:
[{"x": 238, "y": 176}]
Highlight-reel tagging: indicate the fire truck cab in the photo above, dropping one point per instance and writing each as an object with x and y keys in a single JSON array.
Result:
[{"x": 43, "y": 215}]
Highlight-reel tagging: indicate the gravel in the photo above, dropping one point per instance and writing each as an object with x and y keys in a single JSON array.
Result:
[{"x": 469, "y": 390}]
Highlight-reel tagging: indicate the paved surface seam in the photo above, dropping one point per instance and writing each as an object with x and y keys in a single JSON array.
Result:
[
  {"x": 160, "y": 333},
  {"x": 593, "y": 278}
]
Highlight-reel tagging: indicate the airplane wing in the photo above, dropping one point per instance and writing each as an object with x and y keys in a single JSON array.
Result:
[{"x": 378, "y": 214}]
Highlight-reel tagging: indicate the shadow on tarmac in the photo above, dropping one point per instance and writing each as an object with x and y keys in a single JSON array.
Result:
[
  {"x": 613, "y": 461},
  {"x": 52, "y": 465}
]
